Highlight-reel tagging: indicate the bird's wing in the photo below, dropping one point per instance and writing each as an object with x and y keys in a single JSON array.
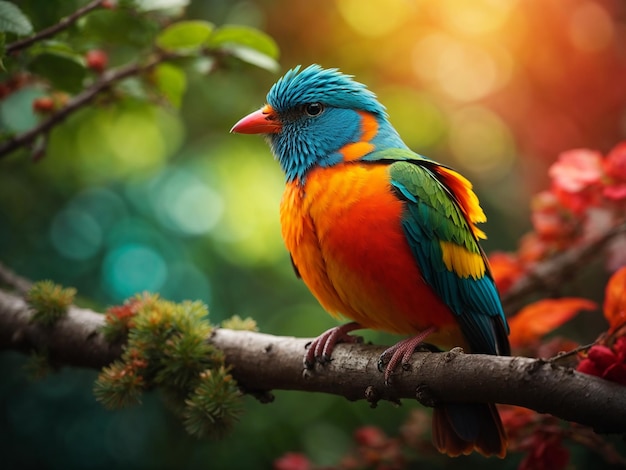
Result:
[{"x": 439, "y": 222}]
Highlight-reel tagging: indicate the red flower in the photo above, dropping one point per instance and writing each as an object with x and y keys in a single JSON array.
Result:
[
  {"x": 576, "y": 170},
  {"x": 576, "y": 178}
]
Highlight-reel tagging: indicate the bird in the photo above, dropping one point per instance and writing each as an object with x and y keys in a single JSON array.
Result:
[{"x": 382, "y": 236}]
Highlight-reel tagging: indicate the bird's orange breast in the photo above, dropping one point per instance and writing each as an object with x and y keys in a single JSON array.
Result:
[{"x": 343, "y": 230}]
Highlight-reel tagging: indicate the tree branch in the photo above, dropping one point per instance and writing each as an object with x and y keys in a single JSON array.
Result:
[
  {"x": 551, "y": 273},
  {"x": 262, "y": 362},
  {"x": 54, "y": 29},
  {"x": 107, "y": 79}
]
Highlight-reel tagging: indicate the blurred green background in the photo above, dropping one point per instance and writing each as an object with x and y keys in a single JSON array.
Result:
[{"x": 135, "y": 196}]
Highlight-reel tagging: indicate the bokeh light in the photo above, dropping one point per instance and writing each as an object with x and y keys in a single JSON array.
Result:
[
  {"x": 462, "y": 71},
  {"x": 133, "y": 268},
  {"x": 365, "y": 17},
  {"x": 76, "y": 234},
  {"x": 477, "y": 17},
  {"x": 184, "y": 203},
  {"x": 591, "y": 28},
  {"x": 481, "y": 143}
]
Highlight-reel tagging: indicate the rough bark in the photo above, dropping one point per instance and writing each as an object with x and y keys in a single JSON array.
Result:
[{"x": 261, "y": 363}]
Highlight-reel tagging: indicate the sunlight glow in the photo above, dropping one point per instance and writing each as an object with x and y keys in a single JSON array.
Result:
[
  {"x": 463, "y": 71},
  {"x": 366, "y": 18},
  {"x": 476, "y": 17},
  {"x": 481, "y": 142}
]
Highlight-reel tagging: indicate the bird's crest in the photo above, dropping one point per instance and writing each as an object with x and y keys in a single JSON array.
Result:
[{"x": 328, "y": 86}]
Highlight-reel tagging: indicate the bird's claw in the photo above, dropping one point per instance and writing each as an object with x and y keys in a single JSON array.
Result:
[
  {"x": 400, "y": 354},
  {"x": 319, "y": 350}
]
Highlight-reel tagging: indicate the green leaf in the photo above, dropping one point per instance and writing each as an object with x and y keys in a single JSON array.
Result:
[
  {"x": 65, "y": 71},
  {"x": 171, "y": 82},
  {"x": 12, "y": 20},
  {"x": 243, "y": 36},
  {"x": 254, "y": 57},
  {"x": 151, "y": 5},
  {"x": 58, "y": 48},
  {"x": 185, "y": 35}
]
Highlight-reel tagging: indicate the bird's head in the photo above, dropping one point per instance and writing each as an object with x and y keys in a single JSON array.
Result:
[{"x": 318, "y": 117}]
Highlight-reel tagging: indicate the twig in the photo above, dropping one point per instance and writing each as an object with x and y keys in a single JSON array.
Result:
[
  {"x": 106, "y": 81},
  {"x": 551, "y": 272},
  {"x": 64, "y": 23},
  {"x": 262, "y": 362}
]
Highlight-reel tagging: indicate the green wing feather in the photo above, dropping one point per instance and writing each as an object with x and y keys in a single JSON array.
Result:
[{"x": 434, "y": 214}]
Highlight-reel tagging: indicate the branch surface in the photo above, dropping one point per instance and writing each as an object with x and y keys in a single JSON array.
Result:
[{"x": 262, "y": 362}]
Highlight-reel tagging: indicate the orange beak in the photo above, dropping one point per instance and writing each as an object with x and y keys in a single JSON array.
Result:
[{"x": 263, "y": 121}]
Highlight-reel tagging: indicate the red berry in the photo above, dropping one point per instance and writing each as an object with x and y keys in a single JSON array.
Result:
[
  {"x": 108, "y": 4},
  {"x": 97, "y": 60},
  {"x": 602, "y": 356},
  {"x": 43, "y": 105}
]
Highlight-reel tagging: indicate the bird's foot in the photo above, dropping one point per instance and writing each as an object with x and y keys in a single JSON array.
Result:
[
  {"x": 321, "y": 348},
  {"x": 400, "y": 354}
]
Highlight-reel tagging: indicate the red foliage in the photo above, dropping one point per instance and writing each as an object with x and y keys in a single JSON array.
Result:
[
  {"x": 121, "y": 316},
  {"x": 506, "y": 269},
  {"x": 615, "y": 300},
  {"x": 534, "y": 321}
]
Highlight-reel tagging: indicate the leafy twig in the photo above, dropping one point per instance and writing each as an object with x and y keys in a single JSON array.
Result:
[
  {"x": 107, "y": 79},
  {"x": 54, "y": 29}
]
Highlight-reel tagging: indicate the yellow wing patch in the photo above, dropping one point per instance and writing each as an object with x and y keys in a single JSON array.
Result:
[{"x": 461, "y": 261}]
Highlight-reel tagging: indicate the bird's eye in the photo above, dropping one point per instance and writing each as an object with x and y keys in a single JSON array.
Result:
[{"x": 314, "y": 109}]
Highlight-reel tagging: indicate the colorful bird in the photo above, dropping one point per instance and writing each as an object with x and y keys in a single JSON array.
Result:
[{"x": 383, "y": 236}]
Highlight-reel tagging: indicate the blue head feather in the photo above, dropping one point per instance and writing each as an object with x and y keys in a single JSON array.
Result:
[
  {"x": 327, "y": 86},
  {"x": 306, "y": 141}
]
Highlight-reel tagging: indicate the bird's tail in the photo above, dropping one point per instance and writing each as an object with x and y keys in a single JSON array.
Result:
[{"x": 460, "y": 428}]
